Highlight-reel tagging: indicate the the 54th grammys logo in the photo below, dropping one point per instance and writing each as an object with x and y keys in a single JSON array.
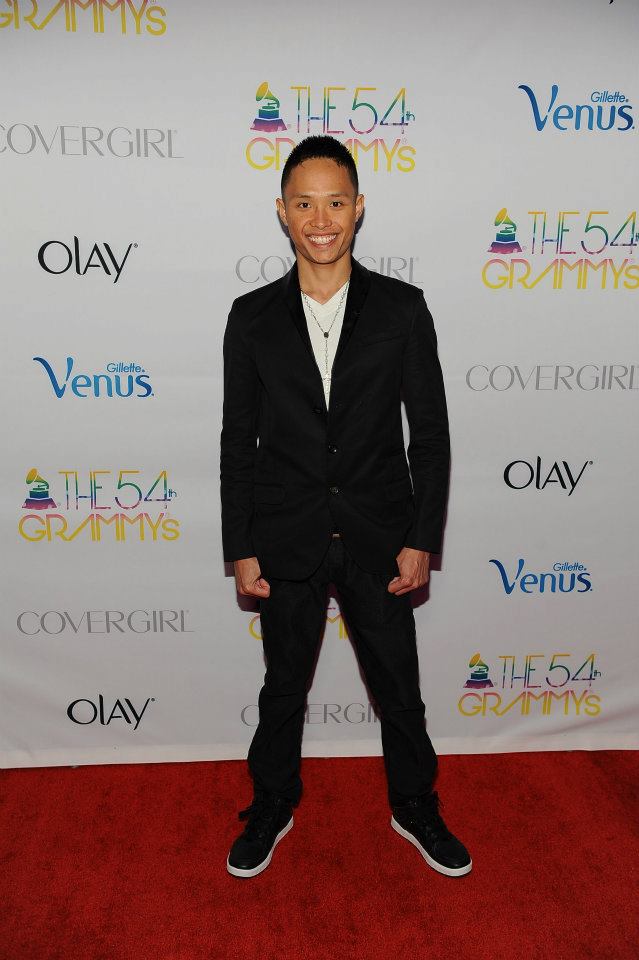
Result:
[
  {"x": 129, "y": 509},
  {"x": 126, "y": 18},
  {"x": 373, "y": 123},
  {"x": 532, "y": 685}
]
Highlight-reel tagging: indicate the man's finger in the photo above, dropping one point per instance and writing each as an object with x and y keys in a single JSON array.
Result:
[
  {"x": 254, "y": 592},
  {"x": 398, "y": 582},
  {"x": 262, "y": 587}
]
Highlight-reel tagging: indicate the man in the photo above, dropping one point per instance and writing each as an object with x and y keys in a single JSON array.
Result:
[{"x": 315, "y": 367}]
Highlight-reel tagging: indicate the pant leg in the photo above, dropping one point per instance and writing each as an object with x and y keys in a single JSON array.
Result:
[
  {"x": 382, "y": 627},
  {"x": 292, "y": 620}
]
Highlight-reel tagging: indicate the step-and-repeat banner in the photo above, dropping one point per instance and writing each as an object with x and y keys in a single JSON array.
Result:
[{"x": 141, "y": 146}]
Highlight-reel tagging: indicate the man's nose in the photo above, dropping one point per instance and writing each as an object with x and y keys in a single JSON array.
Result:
[{"x": 321, "y": 217}]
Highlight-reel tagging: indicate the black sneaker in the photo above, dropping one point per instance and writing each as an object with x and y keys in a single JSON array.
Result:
[
  {"x": 269, "y": 819},
  {"x": 420, "y": 822}
]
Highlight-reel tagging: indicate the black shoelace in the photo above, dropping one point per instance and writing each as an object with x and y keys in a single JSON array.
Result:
[
  {"x": 260, "y": 815},
  {"x": 424, "y": 812}
]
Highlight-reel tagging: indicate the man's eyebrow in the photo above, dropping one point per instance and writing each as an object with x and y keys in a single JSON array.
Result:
[{"x": 337, "y": 194}]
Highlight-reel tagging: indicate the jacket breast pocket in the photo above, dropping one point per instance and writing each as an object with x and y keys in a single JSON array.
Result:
[
  {"x": 268, "y": 492},
  {"x": 388, "y": 333}
]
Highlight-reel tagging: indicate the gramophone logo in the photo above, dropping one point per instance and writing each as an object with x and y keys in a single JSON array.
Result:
[
  {"x": 478, "y": 673},
  {"x": 505, "y": 241},
  {"x": 38, "y": 497},
  {"x": 268, "y": 118}
]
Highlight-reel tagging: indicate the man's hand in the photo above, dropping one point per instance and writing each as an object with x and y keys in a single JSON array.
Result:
[
  {"x": 248, "y": 580},
  {"x": 414, "y": 569}
]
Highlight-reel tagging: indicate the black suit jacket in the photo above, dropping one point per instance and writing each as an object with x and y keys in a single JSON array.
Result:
[{"x": 317, "y": 469}]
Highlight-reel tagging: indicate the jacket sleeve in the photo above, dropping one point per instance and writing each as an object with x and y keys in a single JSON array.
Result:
[
  {"x": 429, "y": 444},
  {"x": 238, "y": 440}
]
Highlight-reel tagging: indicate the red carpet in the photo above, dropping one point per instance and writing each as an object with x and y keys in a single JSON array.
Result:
[{"x": 128, "y": 863}]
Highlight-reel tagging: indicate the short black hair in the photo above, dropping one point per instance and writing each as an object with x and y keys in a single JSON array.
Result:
[{"x": 320, "y": 146}]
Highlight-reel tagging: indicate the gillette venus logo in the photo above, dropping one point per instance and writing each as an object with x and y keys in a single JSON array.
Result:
[
  {"x": 565, "y": 577},
  {"x": 120, "y": 380},
  {"x": 604, "y": 111},
  {"x": 56, "y": 257},
  {"x": 84, "y": 711}
]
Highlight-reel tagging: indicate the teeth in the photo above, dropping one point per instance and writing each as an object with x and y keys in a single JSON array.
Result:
[{"x": 321, "y": 239}]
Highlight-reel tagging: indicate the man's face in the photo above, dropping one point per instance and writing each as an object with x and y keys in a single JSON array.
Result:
[{"x": 320, "y": 209}]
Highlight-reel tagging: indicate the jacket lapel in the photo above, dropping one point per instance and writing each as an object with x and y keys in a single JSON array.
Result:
[{"x": 357, "y": 291}]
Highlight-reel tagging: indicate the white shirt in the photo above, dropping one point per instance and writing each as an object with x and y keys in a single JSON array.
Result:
[{"x": 325, "y": 313}]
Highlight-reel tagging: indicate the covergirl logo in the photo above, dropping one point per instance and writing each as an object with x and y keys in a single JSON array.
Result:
[
  {"x": 32, "y": 623},
  {"x": 257, "y": 270},
  {"x": 69, "y": 140},
  {"x": 554, "y": 377},
  {"x": 322, "y": 713}
]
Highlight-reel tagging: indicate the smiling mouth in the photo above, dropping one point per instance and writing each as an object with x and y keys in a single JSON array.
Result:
[{"x": 321, "y": 240}]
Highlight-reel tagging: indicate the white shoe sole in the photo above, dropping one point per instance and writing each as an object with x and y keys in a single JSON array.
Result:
[
  {"x": 448, "y": 871},
  {"x": 253, "y": 872}
]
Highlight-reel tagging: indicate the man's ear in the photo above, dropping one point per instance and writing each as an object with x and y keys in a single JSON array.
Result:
[{"x": 281, "y": 210}]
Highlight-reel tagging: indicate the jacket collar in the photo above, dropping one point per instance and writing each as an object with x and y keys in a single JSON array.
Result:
[{"x": 358, "y": 288}]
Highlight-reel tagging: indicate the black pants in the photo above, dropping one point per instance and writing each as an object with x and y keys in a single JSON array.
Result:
[{"x": 382, "y": 627}]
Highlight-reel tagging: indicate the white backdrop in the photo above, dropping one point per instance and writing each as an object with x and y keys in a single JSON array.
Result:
[{"x": 132, "y": 131}]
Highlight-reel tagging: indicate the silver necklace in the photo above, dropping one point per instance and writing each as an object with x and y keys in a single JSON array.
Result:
[{"x": 327, "y": 377}]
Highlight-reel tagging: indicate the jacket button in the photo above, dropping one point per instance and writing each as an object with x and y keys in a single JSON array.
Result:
[
  {"x": 334, "y": 489},
  {"x": 332, "y": 448}
]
